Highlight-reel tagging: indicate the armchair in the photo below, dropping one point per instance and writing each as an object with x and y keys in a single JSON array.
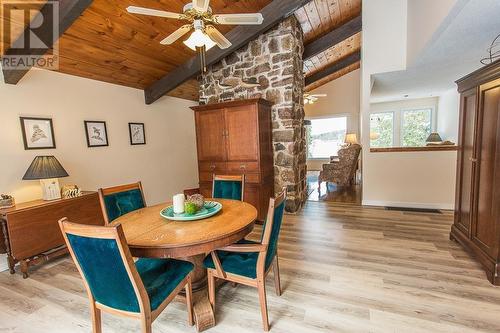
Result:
[{"x": 341, "y": 172}]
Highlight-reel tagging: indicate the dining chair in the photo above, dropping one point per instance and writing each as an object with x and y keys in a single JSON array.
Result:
[
  {"x": 249, "y": 262},
  {"x": 118, "y": 285},
  {"x": 228, "y": 187},
  {"x": 120, "y": 200}
]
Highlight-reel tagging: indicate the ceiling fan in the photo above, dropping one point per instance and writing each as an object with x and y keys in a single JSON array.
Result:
[
  {"x": 311, "y": 99},
  {"x": 202, "y": 21}
]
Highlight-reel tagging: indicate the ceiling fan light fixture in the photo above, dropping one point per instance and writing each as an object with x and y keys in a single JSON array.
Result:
[{"x": 199, "y": 39}]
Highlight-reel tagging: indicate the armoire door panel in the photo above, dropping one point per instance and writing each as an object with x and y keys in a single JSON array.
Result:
[
  {"x": 210, "y": 134},
  {"x": 242, "y": 133},
  {"x": 484, "y": 227},
  {"x": 466, "y": 160}
]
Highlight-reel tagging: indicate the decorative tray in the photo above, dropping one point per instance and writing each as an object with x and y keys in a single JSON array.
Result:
[{"x": 209, "y": 209}]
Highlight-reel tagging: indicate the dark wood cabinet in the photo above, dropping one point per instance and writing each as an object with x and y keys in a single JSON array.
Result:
[
  {"x": 477, "y": 205},
  {"x": 235, "y": 138}
]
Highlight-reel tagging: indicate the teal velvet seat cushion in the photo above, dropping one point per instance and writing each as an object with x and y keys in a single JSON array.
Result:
[
  {"x": 244, "y": 264},
  {"x": 108, "y": 280},
  {"x": 161, "y": 277},
  {"x": 227, "y": 189},
  {"x": 121, "y": 203}
]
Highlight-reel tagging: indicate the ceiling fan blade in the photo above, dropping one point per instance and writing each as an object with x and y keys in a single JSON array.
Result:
[
  {"x": 176, "y": 34},
  {"x": 239, "y": 19},
  {"x": 217, "y": 37},
  {"x": 201, "y": 5},
  {"x": 152, "y": 12}
]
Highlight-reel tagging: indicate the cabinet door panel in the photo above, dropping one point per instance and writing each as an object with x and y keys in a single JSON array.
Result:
[
  {"x": 465, "y": 161},
  {"x": 210, "y": 135},
  {"x": 484, "y": 227},
  {"x": 242, "y": 133}
]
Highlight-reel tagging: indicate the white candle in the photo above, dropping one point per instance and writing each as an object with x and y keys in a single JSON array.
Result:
[{"x": 179, "y": 203}]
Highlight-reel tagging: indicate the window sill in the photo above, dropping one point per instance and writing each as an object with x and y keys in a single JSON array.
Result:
[{"x": 412, "y": 149}]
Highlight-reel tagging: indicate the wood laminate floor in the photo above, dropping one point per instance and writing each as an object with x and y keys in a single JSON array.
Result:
[{"x": 344, "y": 269}]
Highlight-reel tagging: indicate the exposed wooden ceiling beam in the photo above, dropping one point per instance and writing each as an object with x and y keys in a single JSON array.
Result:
[
  {"x": 69, "y": 11},
  {"x": 333, "y": 37},
  {"x": 342, "y": 63},
  {"x": 273, "y": 13}
]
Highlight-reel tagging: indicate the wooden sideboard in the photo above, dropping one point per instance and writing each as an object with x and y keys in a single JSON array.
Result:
[
  {"x": 235, "y": 138},
  {"x": 477, "y": 205},
  {"x": 31, "y": 232}
]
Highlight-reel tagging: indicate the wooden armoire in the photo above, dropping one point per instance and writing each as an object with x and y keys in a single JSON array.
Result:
[
  {"x": 235, "y": 138},
  {"x": 477, "y": 207}
]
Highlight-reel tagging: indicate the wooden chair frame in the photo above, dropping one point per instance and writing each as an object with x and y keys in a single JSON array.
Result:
[
  {"x": 146, "y": 316},
  {"x": 260, "y": 281},
  {"x": 117, "y": 189},
  {"x": 229, "y": 178}
]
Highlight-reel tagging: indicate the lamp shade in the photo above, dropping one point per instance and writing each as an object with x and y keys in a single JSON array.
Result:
[
  {"x": 45, "y": 167},
  {"x": 434, "y": 137},
  {"x": 351, "y": 138}
]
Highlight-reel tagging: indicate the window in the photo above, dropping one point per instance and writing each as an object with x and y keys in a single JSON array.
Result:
[
  {"x": 401, "y": 128},
  {"x": 325, "y": 136},
  {"x": 382, "y": 129},
  {"x": 416, "y": 127}
]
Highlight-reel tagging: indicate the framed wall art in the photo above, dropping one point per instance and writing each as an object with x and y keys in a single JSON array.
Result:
[
  {"x": 137, "y": 133},
  {"x": 97, "y": 134},
  {"x": 38, "y": 133}
]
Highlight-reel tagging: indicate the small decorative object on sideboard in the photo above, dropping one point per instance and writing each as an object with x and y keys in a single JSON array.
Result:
[
  {"x": 70, "y": 191},
  {"x": 6, "y": 201}
]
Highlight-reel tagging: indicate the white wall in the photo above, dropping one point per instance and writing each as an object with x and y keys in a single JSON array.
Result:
[
  {"x": 424, "y": 18},
  {"x": 448, "y": 115},
  {"x": 166, "y": 164},
  {"x": 343, "y": 100},
  {"x": 425, "y": 179}
]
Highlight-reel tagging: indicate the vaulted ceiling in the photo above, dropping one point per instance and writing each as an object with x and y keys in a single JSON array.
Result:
[{"x": 107, "y": 43}]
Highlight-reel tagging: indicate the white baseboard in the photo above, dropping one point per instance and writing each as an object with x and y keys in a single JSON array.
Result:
[
  {"x": 3, "y": 263},
  {"x": 443, "y": 206}
]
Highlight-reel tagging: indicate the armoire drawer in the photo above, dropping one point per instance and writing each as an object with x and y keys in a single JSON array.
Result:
[
  {"x": 243, "y": 167},
  {"x": 206, "y": 176},
  {"x": 212, "y": 166}
]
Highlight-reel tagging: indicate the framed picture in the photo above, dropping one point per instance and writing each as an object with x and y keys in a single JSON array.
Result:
[
  {"x": 137, "y": 133},
  {"x": 97, "y": 134},
  {"x": 38, "y": 133}
]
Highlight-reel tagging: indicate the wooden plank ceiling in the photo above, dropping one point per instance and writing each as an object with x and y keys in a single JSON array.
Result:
[
  {"x": 108, "y": 44},
  {"x": 317, "y": 19}
]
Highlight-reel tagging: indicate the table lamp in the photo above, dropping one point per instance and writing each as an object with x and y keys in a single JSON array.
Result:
[
  {"x": 434, "y": 138},
  {"x": 47, "y": 169},
  {"x": 351, "y": 138}
]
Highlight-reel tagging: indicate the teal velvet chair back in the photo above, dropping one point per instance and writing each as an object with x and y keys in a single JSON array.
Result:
[
  {"x": 102, "y": 256},
  {"x": 102, "y": 265},
  {"x": 274, "y": 232},
  {"x": 228, "y": 187},
  {"x": 120, "y": 200}
]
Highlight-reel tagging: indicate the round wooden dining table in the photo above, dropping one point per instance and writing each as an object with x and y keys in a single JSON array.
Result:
[{"x": 149, "y": 235}]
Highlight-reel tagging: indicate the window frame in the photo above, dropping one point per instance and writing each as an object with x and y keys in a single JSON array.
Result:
[
  {"x": 338, "y": 115},
  {"x": 397, "y": 127}
]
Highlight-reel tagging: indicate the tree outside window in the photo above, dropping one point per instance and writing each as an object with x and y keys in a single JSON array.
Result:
[
  {"x": 382, "y": 125},
  {"x": 416, "y": 127}
]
